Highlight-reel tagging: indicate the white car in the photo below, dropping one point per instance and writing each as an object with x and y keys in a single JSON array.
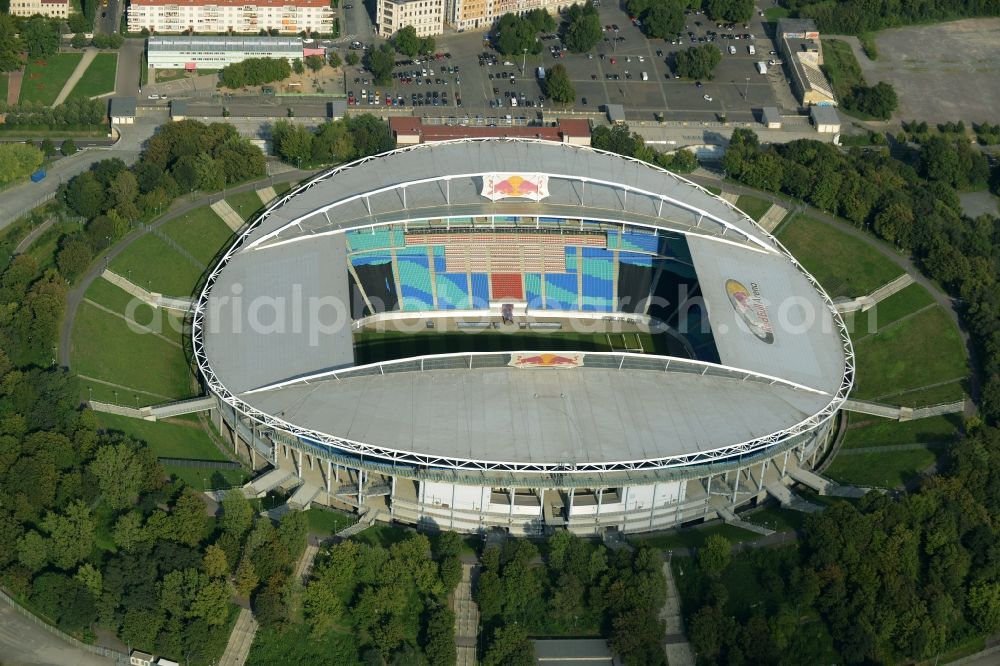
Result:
[
  {"x": 708, "y": 98},
  {"x": 154, "y": 96}
]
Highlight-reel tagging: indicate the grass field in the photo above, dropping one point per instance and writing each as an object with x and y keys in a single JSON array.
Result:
[
  {"x": 907, "y": 302},
  {"x": 382, "y": 535},
  {"x": 152, "y": 264},
  {"x": 164, "y": 322},
  {"x": 845, "y": 266},
  {"x": 99, "y": 79},
  {"x": 104, "y": 348},
  {"x": 43, "y": 79},
  {"x": 208, "y": 479},
  {"x": 201, "y": 232},
  {"x": 753, "y": 206},
  {"x": 375, "y": 347},
  {"x": 867, "y": 431},
  {"x": 772, "y": 14},
  {"x": 3, "y": 88},
  {"x": 177, "y": 438},
  {"x": 245, "y": 203},
  {"x": 844, "y": 72},
  {"x": 916, "y": 353},
  {"x": 695, "y": 537},
  {"x": 328, "y": 523},
  {"x": 882, "y": 469},
  {"x": 776, "y": 518}
]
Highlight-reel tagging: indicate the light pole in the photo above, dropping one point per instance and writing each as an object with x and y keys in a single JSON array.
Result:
[
  {"x": 524, "y": 59},
  {"x": 746, "y": 94}
]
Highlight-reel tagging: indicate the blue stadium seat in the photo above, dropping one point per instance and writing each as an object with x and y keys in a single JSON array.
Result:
[
  {"x": 533, "y": 290},
  {"x": 415, "y": 278},
  {"x": 561, "y": 292},
  {"x": 480, "y": 291},
  {"x": 452, "y": 291}
]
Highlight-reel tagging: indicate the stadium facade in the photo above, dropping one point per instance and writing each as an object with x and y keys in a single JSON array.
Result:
[{"x": 519, "y": 334}]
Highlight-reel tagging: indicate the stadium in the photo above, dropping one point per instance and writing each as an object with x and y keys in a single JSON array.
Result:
[{"x": 518, "y": 334}]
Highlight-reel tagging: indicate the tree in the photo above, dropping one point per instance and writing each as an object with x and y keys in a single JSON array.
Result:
[
  {"x": 40, "y": 36},
  {"x": 68, "y": 147},
  {"x": 406, "y": 41},
  {"x": 246, "y": 577},
  {"x": 215, "y": 562},
  {"x": 79, "y": 41},
  {"x": 212, "y": 603},
  {"x": 334, "y": 60},
  {"x": 321, "y": 604},
  {"x": 48, "y": 148},
  {"x": 91, "y": 578},
  {"x": 120, "y": 474},
  {"x": 715, "y": 556},
  {"x": 353, "y": 59},
  {"x": 440, "y": 637},
  {"x": 730, "y": 11},
  {"x": 509, "y": 647},
  {"x": 663, "y": 19},
  {"x": 315, "y": 63},
  {"x": 71, "y": 535},
  {"x": 237, "y": 513},
  {"x": 298, "y": 67},
  {"x": 10, "y": 44},
  {"x": 380, "y": 62},
  {"x": 187, "y": 519},
  {"x": 73, "y": 258},
  {"x": 128, "y": 532},
  {"x": 33, "y": 550},
  {"x": 698, "y": 62},
  {"x": 582, "y": 30},
  {"x": 515, "y": 35},
  {"x": 558, "y": 86}
]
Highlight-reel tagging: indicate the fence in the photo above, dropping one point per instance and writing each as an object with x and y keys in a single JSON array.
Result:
[
  {"x": 203, "y": 464},
  {"x": 108, "y": 653}
]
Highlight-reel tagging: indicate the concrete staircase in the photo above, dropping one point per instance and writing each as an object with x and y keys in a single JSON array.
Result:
[
  {"x": 266, "y": 194},
  {"x": 790, "y": 500},
  {"x": 365, "y": 520},
  {"x": 228, "y": 215},
  {"x": 774, "y": 215},
  {"x": 303, "y": 496},
  {"x": 268, "y": 481},
  {"x": 865, "y": 303},
  {"x": 731, "y": 518}
]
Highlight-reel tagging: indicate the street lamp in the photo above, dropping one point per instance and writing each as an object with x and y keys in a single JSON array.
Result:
[
  {"x": 524, "y": 58},
  {"x": 746, "y": 94}
]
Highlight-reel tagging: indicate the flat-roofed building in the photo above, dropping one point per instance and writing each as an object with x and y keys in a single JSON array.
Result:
[
  {"x": 825, "y": 119},
  {"x": 184, "y": 52},
  {"x": 473, "y": 14},
  {"x": 799, "y": 42},
  {"x": 409, "y": 130},
  {"x": 53, "y": 8},
  {"x": 240, "y": 16},
  {"x": 426, "y": 16}
]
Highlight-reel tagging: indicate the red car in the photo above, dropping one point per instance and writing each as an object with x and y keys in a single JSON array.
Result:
[{"x": 614, "y": 62}]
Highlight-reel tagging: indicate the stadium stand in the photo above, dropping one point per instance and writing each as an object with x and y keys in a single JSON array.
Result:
[
  {"x": 507, "y": 286},
  {"x": 480, "y": 290},
  {"x": 452, "y": 291},
  {"x": 415, "y": 278}
]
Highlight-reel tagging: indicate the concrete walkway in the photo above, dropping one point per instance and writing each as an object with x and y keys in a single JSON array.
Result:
[
  {"x": 228, "y": 215},
  {"x": 32, "y": 236},
  {"x": 466, "y": 619},
  {"x": 14, "y": 86},
  {"x": 675, "y": 644},
  {"x": 774, "y": 215},
  {"x": 74, "y": 78},
  {"x": 266, "y": 194},
  {"x": 731, "y": 197},
  {"x": 240, "y": 640},
  {"x": 304, "y": 567},
  {"x": 865, "y": 303},
  {"x": 23, "y": 641}
]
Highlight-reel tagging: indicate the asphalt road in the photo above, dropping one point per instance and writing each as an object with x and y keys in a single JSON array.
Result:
[{"x": 22, "y": 641}]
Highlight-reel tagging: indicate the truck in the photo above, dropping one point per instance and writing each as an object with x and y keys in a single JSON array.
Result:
[
  {"x": 38, "y": 176},
  {"x": 762, "y": 67},
  {"x": 751, "y": 50},
  {"x": 541, "y": 73},
  {"x": 645, "y": 76}
]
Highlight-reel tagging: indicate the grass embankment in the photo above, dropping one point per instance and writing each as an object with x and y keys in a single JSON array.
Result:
[
  {"x": 755, "y": 207},
  {"x": 99, "y": 79}
]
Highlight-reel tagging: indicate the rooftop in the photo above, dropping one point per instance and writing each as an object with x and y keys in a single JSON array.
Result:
[
  {"x": 824, "y": 115},
  {"x": 122, "y": 107},
  {"x": 590, "y": 651},
  {"x": 796, "y": 25},
  {"x": 408, "y": 125},
  {"x": 235, "y": 43}
]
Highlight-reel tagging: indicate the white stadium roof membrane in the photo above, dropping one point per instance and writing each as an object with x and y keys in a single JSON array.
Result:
[{"x": 473, "y": 411}]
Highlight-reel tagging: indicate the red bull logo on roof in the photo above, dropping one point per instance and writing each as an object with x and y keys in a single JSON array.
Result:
[
  {"x": 534, "y": 186},
  {"x": 546, "y": 360}
]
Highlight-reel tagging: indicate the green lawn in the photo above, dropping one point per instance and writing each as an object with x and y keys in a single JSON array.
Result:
[
  {"x": 934, "y": 395},
  {"x": 844, "y": 265},
  {"x": 105, "y": 348},
  {"x": 882, "y": 469},
  {"x": 922, "y": 350},
  {"x": 694, "y": 537},
  {"x": 169, "y": 439},
  {"x": 44, "y": 78},
  {"x": 772, "y": 14},
  {"x": 844, "y": 72},
  {"x": 328, "y": 523},
  {"x": 897, "y": 306},
  {"x": 99, "y": 79},
  {"x": 156, "y": 266},
  {"x": 208, "y": 479},
  {"x": 245, "y": 203},
  {"x": 753, "y": 206},
  {"x": 281, "y": 188},
  {"x": 201, "y": 232},
  {"x": 776, "y": 518},
  {"x": 382, "y": 535},
  {"x": 296, "y": 645},
  {"x": 864, "y": 431},
  {"x": 164, "y": 75}
]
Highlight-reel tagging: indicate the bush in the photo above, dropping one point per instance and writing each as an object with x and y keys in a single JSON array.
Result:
[{"x": 18, "y": 160}]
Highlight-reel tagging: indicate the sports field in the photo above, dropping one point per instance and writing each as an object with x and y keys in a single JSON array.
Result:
[
  {"x": 370, "y": 347},
  {"x": 44, "y": 78},
  {"x": 99, "y": 79},
  {"x": 845, "y": 266}
]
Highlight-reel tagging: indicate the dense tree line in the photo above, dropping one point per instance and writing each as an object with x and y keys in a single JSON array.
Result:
[
  {"x": 911, "y": 202},
  {"x": 852, "y": 17},
  {"x": 619, "y": 140},
  {"x": 254, "y": 72},
  {"x": 394, "y": 598},
  {"x": 332, "y": 142},
  {"x": 883, "y": 581},
  {"x": 660, "y": 18},
  {"x": 579, "y": 586},
  {"x": 74, "y": 113}
]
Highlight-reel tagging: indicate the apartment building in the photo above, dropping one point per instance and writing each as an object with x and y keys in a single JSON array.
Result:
[
  {"x": 426, "y": 16},
  {"x": 54, "y": 8},
  {"x": 240, "y": 16}
]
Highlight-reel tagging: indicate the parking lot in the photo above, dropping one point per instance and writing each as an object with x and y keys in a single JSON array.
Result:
[{"x": 612, "y": 73}]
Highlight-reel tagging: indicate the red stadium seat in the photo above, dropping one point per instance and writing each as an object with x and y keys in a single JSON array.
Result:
[{"x": 507, "y": 286}]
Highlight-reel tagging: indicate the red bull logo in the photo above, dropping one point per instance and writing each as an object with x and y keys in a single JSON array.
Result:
[
  {"x": 546, "y": 360},
  {"x": 749, "y": 305},
  {"x": 504, "y": 185}
]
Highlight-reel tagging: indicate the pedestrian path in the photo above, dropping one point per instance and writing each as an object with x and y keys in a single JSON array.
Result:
[
  {"x": 240, "y": 640},
  {"x": 266, "y": 194},
  {"x": 150, "y": 298},
  {"x": 74, "y": 78},
  {"x": 304, "y": 568},
  {"x": 865, "y": 303},
  {"x": 731, "y": 197},
  {"x": 675, "y": 644},
  {"x": 772, "y": 217},
  {"x": 466, "y": 620},
  {"x": 228, "y": 215}
]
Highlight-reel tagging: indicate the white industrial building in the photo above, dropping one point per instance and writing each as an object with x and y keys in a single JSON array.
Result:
[
  {"x": 182, "y": 52},
  {"x": 216, "y": 16}
]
